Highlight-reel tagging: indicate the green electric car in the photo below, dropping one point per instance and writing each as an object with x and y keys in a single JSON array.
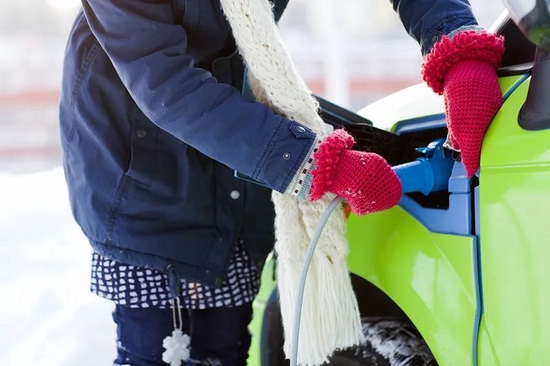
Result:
[{"x": 459, "y": 276}]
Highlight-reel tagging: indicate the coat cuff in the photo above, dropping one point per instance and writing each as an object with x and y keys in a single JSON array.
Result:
[{"x": 300, "y": 185}]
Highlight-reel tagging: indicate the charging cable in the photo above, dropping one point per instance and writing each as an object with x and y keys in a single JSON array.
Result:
[{"x": 303, "y": 276}]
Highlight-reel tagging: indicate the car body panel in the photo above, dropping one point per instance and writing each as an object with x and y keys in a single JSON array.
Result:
[
  {"x": 429, "y": 276},
  {"x": 268, "y": 283},
  {"x": 514, "y": 198}
]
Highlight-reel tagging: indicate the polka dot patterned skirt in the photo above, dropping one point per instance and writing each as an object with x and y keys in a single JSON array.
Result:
[{"x": 138, "y": 287}]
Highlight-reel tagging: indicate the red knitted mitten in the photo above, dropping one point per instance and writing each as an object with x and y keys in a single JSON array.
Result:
[
  {"x": 463, "y": 69},
  {"x": 365, "y": 180}
]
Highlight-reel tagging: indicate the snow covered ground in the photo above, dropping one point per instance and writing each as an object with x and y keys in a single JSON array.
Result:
[{"x": 47, "y": 315}]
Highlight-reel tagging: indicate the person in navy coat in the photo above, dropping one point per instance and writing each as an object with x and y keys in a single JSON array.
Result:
[{"x": 153, "y": 125}]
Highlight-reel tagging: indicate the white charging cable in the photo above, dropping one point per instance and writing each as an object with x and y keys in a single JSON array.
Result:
[{"x": 303, "y": 276}]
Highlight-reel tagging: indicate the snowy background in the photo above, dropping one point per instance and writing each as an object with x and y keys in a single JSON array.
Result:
[{"x": 47, "y": 315}]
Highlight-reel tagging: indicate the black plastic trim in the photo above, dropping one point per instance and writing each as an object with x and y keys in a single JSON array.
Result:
[
  {"x": 514, "y": 70},
  {"x": 518, "y": 50},
  {"x": 535, "y": 113},
  {"x": 338, "y": 116}
]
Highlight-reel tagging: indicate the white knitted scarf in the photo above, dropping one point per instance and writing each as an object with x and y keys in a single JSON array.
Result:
[{"x": 330, "y": 316}]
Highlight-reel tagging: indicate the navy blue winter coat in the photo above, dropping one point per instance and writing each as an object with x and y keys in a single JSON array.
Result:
[{"x": 153, "y": 124}]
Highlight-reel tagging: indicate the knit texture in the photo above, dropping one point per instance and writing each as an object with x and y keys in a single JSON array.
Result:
[
  {"x": 463, "y": 69},
  {"x": 327, "y": 159},
  {"x": 330, "y": 315},
  {"x": 366, "y": 180},
  {"x": 469, "y": 45}
]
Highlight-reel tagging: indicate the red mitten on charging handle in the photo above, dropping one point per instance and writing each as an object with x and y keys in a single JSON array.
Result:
[
  {"x": 365, "y": 180},
  {"x": 463, "y": 69}
]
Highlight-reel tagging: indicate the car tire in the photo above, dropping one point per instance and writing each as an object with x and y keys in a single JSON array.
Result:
[{"x": 388, "y": 342}]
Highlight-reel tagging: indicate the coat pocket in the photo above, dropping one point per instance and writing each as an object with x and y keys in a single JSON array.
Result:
[{"x": 143, "y": 163}]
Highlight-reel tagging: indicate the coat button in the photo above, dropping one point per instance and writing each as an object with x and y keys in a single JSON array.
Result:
[
  {"x": 219, "y": 282},
  {"x": 235, "y": 195},
  {"x": 286, "y": 156},
  {"x": 300, "y": 129},
  {"x": 141, "y": 133}
]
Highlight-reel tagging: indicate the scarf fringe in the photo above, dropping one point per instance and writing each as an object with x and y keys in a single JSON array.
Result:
[{"x": 330, "y": 314}]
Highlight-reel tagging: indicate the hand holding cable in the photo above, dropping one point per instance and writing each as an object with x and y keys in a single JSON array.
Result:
[{"x": 365, "y": 180}]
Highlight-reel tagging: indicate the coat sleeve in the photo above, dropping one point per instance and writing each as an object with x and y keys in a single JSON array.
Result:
[
  {"x": 148, "y": 51},
  {"x": 428, "y": 20}
]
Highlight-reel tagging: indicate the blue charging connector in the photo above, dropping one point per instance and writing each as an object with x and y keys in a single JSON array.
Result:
[{"x": 427, "y": 174}]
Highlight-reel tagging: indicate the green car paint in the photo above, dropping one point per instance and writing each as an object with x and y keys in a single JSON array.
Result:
[
  {"x": 429, "y": 276},
  {"x": 514, "y": 199},
  {"x": 267, "y": 285},
  {"x": 432, "y": 277}
]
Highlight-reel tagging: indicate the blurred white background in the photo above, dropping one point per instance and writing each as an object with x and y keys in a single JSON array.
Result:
[{"x": 350, "y": 51}]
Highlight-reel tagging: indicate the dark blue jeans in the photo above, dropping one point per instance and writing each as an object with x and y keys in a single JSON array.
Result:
[{"x": 219, "y": 336}]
